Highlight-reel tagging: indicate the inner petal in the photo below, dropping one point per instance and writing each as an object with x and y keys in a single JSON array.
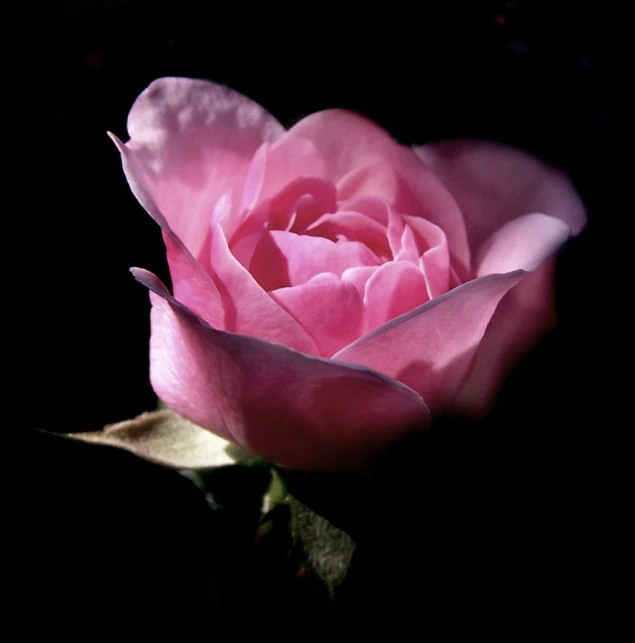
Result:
[
  {"x": 432, "y": 245},
  {"x": 353, "y": 226},
  {"x": 378, "y": 180},
  {"x": 295, "y": 207},
  {"x": 394, "y": 289},
  {"x": 281, "y": 259}
]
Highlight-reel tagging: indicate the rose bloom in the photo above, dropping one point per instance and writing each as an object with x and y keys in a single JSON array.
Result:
[{"x": 333, "y": 289}]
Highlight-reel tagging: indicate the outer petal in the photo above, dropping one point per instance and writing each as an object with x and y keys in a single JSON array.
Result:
[
  {"x": 232, "y": 300},
  {"x": 347, "y": 142},
  {"x": 432, "y": 348},
  {"x": 195, "y": 140},
  {"x": 522, "y": 244},
  {"x": 192, "y": 284},
  {"x": 524, "y": 316},
  {"x": 494, "y": 184},
  {"x": 298, "y": 411}
]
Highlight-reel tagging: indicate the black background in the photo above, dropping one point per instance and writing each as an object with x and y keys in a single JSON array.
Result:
[{"x": 513, "y": 513}]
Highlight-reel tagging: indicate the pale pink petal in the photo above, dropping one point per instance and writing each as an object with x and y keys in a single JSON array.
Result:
[
  {"x": 372, "y": 207},
  {"x": 290, "y": 158},
  {"x": 299, "y": 204},
  {"x": 284, "y": 259},
  {"x": 394, "y": 289},
  {"x": 195, "y": 140},
  {"x": 359, "y": 277},
  {"x": 352, "y": 226},
  {"x": 494, "y": 184},
  {"x": 522, "y": 244},
  {"x": 524, "y": 316},
  {"x": 192, "y": 285},
  {"x": 248, "y": 308},
  {"x": 297, "y": 411},
  {"x": 328, "y": 308},
  {"x": 408, "y": 247},
  {"x": 432, "y": 348},
  {"x": 378, "y": 180},
  {"x": 347, "y": 142},
  {"x": 435, "y": 256}
]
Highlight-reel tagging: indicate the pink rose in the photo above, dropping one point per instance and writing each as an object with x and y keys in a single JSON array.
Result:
[{"x": 332, "y": 288}]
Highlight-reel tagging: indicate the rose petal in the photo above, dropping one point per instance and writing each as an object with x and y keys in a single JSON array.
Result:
[
  {"x": 435, "y": 257},
  {"x": 394, "y": 289},
  {"x": 522, "y": 244},
  {"x": 284, "y": 259},
  {"x": 295, "y": 207},
  {"x": 523, "y": 317},
  {"x": 192, "y": 285},
  {"x": 195, "y": 140},
  {"x": 248, "y": 308},
  {"x": 233, "y": 300},
  {"x": 347, "y": 141},
  {"x": 494, "y": 184},
  {"x": 359, "y": 277},
  {"x": 300, "y": 412},
  {"x": 431, "y": 349},
  {"x": 352, "y": 226},
  {"x": 290, "y": 158},
  {"x": 328, "y": 308}
]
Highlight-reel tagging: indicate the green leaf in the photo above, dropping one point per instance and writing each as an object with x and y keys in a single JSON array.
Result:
[
  {"x": 326, "y": 549},
  {"x": 166, "y": 438}
]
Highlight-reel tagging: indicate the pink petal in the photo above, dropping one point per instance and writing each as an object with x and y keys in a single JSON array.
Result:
[
  {"x": 352, "y": 226},
  {"x": 378, "y": 180},
  {"x": 522, "y": 244},
  {"x": 347, "y": 142},
  {"x": 192, "y": 285},
  {"x": 431, "y": 349},
  {"x": 195, "y": 140},
  {"x": 300, "y": 203},
  {"x": 290, "y": 158},
  {"x": 328, "y": 308},
  {"x": 523, "y": 317},
  {"x": 248, "y": 308},
  {"x": 284, "y": 259},
  {"x": 435, "y": 256},
  {"x": 394, "y": 289},
  {"x": 297, "y": 411},
  {"x": 359, "y": 277},
  {"x": 494, "y": 184}
]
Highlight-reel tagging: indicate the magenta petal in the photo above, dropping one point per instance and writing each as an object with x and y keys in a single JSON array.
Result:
[
  {"x": 328, "y": 308},
  {"x": 494, "y": 184},
  {"x": 298, "y": 411},
  {"x": 522, "y": 244},
  {"x": 195, "y": 140},
  {"x": 431, "y": 349}
]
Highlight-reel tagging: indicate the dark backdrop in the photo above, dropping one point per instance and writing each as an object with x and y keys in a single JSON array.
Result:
[{"x": 105, "y": 538}]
